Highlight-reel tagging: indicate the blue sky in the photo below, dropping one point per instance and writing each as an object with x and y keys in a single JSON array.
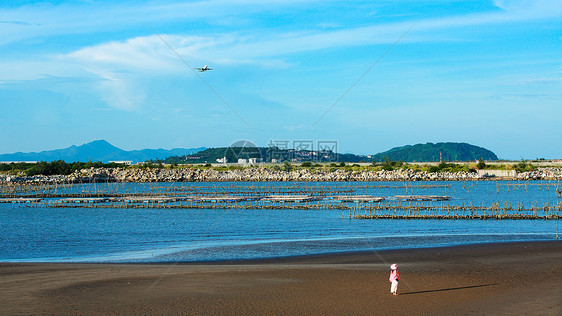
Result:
[{"x": 484, "y": 72}]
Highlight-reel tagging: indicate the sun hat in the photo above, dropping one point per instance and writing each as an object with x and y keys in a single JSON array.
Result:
[{"x": 393, "y": 266}]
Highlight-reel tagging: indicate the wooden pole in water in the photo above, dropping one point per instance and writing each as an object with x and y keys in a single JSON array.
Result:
[{"x": 557, "y": 210}]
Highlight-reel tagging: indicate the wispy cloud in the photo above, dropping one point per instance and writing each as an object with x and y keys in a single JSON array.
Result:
[
  {"x": 117, "y": 63},
  {"x": 76, "y": 18},
  {"x": 16, "y": 22},
  {"x": 119, "y": 91},
  {"x": 79, "y": 18},
  {"x": 540, "y": 81},
  {"x": 259, "y": 47},
  {"x": 143, "y": 53}
]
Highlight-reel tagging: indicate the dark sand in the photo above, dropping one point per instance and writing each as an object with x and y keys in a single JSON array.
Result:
[{"x": 509, "y": 278}]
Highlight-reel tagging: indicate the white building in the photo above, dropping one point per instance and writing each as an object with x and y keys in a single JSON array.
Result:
[
  {"x": 222, "y": 160},
  {"x": 124, "y": 162},
  {"x": 253, "y": 161}
]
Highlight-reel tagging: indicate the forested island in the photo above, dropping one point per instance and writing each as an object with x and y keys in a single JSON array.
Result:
[{"x": 437, "y": 152}]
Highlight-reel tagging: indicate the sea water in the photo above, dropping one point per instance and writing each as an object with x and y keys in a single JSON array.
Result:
[{"x": 39, "y": 234}]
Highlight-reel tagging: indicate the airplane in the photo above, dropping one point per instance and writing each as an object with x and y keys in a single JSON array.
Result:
[{"x": 203, "y": 69}]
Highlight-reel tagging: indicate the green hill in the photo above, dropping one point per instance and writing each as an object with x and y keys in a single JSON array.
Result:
[
  {"x": 433, "y": 152},
  {"x": 210, "y": 155}
]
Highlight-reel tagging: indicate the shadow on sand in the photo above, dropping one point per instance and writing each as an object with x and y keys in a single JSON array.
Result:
[{"x": 450, "y": 289}]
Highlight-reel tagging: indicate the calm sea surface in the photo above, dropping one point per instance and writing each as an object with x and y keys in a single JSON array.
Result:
[{"x": 187, "y": 235}]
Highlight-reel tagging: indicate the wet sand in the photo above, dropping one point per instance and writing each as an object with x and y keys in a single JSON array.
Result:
[{"x": 505, "y": 278}]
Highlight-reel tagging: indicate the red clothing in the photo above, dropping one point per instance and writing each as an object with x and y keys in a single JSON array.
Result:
[{"x": 394, "y": 275}]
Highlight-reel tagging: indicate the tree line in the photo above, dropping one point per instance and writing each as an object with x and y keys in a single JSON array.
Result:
[{"x": 58, "y": 167}]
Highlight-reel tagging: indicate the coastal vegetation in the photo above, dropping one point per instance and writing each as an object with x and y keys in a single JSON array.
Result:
[
  {"x": 524, "y": 166},
  {"x": 58, "y": 167}
]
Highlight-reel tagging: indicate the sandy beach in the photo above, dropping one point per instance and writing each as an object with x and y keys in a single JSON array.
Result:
[{"x": 504, "y": 278}]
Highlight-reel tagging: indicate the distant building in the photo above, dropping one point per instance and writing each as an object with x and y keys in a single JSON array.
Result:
[
  {"x": 123, "y": 162},
  {"x": 254, "y": 160},
  {"x": 222, "y": 160},
  {"x": 274, "y": 160},
  {"x": 242, "y": 161}
]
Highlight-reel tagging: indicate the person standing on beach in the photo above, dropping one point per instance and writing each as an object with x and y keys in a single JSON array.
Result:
[{"x": 394, "y": 276}]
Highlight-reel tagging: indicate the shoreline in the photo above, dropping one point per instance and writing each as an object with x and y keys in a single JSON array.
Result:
[
  {"x": 272, "y": 260},
  {"x": 490, "y": 278},
  {"x": 360, "y": 256}
]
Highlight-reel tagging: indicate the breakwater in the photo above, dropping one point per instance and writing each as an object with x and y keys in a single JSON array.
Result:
[{"x": 264, "y": 174}]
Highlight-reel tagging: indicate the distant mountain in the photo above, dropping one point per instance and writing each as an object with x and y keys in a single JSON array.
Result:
[
  {"x": 98, "y": 150},
  {"x": 433, "y": 152},
  {"x": 101, "y": 150}
]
